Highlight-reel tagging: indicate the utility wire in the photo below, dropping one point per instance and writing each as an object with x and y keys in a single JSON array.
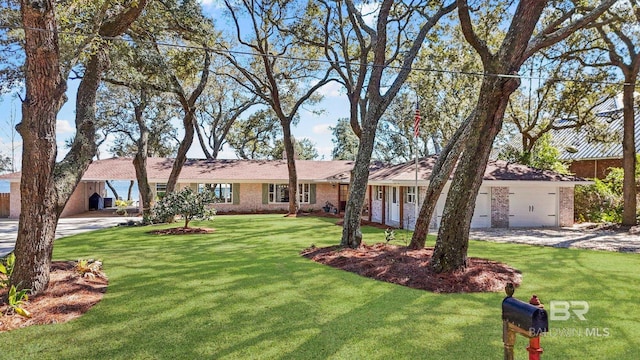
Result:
[{"x": 323, "y": 61}]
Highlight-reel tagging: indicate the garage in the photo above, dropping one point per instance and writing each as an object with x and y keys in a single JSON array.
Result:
[
  {"x": 533, "y": 206},
  {"x": 481, "y": 213}
]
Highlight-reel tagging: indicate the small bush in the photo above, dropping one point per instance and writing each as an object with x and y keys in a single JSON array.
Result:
[
  {"x": 187, "y": 203},
  {"x": 89, "y": 268}
]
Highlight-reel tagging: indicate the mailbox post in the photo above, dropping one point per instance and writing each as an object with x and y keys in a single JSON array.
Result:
[{"x": 527, "y": 319}]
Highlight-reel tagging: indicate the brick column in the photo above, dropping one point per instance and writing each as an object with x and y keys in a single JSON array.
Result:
[
  {"x": 499, "y": 207},
  {"x": 566, "y": 206}
]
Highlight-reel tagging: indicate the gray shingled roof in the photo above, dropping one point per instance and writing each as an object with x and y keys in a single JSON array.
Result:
[
  {"x": 496, "y": 170},
  {"x": 158, "y": 169}
]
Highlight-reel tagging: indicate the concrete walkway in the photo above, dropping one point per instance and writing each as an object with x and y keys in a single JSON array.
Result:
[{"x": 66, "y": 227}]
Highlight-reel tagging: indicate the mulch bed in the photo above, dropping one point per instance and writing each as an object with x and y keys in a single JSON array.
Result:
[
  {"x": 398, "y": 265},
  {"x": 68, "y": 296},
  {"x": 182, "y": 231}
]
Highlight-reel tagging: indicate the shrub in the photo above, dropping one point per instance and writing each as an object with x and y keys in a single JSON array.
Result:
[
  {"x": 187, "y": 203},
  {"x": 89, "y": 268},
  {"x": 16, "y": 300},
  {"x": 601, "y": 201},
  {"x": 123, "y": 203},
  {"x": 6, "y": 268}
]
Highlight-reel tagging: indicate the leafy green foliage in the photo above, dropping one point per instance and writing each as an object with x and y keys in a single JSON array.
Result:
[
  {"x": 603, "y": 200},
  {"x": 345, "y": 142},
  {"x": 16, "y": 300},
  {"x": 389, "y": 235},
  {"x": 186, "y": 203},
  {"x": 543, "y": 156},
  {"x": 6, "y": 268}
]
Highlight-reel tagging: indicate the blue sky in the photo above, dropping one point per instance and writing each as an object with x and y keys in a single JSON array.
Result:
[{"x": 312, "y": 126}]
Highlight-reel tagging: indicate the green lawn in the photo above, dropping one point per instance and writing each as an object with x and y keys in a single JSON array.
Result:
[{"x": 244, "y": 292}]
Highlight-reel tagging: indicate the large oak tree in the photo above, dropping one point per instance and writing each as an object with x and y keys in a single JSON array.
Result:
[
  {"x": 45, "y": 185},
  {"x": 471, "y": 146}
]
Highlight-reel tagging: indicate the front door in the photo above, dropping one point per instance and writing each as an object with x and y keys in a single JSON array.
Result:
[{"x": 393, "y": 205}]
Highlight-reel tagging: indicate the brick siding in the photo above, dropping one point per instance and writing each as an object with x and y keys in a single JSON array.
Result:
[
  {"x": 499, "y": 207},
  {"x": 566, "y": 206}
]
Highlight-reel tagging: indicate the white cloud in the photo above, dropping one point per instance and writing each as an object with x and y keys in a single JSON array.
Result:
[
  {"x": 213, "y": 4},
  {"x": 332, "y": 89},
  {"x": 369, "y": 12},
  {"x": 324, "y": 152},
  {"x": 64, "y": 126},
  {"x": 322, "y": 129}
]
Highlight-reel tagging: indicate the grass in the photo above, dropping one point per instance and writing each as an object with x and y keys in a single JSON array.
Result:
[{"x": 243, "y": 292}]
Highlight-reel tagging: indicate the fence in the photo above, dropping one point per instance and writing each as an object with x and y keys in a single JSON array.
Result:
[{"x": 4, "y": 204}]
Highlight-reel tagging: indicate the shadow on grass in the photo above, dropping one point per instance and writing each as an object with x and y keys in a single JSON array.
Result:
[{"x": 244, "y": 292}]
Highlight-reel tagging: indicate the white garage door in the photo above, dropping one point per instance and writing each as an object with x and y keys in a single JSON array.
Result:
[
  {"x": 482, "y": 212},
  {"x": 533, "y": 207}
]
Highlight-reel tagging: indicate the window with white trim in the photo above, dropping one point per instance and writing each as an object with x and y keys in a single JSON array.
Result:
[
  {"x": 161, "y": 190},
  {"x": 411, "y": 195},
  {"x": 279, "y": 193},
  {"x": 223, "y": 193},
  {"x": 303, "y": 193},
  {"x": 378, "y": 192}
]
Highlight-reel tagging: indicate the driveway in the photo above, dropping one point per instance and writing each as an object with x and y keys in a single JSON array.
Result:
[
  {"x": 578, "y": 236},
  {"x": 66, "y": 227}
]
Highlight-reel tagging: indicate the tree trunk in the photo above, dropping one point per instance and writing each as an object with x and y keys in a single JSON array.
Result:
[
  {"x": 450, "y": 253},
  {"x": 188, "y": 121},
  {"x": 290, "y": 151},
  {"x": 351, "y": 233},
  {"x": 439, "y": 177},
  {"x": 113, "y": 190},
  {"x": 146, "y": 195},
  {"x": 46, "y": 186},
  {"x": 45, "y": 90},
  {"x": 140, "y": 159},
  {"x": 130, "y": 190},
  {"x": 185, "y": 145},
  {"x": 629, "y": 153}
]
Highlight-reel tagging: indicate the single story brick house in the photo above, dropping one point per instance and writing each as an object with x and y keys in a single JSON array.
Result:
[{"x": 511, "y": 195}]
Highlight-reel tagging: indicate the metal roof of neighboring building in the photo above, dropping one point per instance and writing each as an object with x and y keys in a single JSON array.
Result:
[{"x": 578, "y": 144}]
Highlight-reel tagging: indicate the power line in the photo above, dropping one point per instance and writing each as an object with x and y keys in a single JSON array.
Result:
[{"x": 324, "y": 61}]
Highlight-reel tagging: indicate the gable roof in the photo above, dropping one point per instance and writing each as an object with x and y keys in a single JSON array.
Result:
[
  {"x": 496, "y": 170},
  {"x": 202, "y": 170},
  {"x": 159, "y": 169}
]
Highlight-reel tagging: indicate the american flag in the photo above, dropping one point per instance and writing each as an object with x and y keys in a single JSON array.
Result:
[{"x": 416, "y": 122}]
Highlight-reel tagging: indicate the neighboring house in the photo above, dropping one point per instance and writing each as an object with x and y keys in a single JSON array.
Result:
[
  {"x": 591, "y": 155},
  {"x": 511, "y": 195}
]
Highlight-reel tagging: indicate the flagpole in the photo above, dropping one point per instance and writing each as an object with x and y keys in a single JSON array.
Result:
[{"x": 416, "y": 132}]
